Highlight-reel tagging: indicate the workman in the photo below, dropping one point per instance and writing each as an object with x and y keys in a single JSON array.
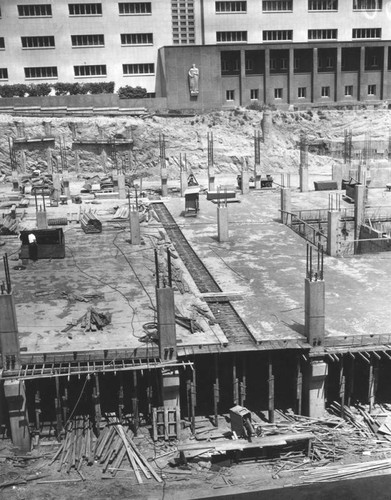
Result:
[{"x": 33, "y": 247}]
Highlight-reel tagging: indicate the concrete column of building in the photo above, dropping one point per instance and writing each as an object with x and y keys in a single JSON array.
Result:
[
  {"x": 77, "y": 166},
  {"x": 286, "y": 206},
  {"x": 42, "y": 219},
  {"x": 242, "y": 79},
  {"x": 114, "y": 174},
  {"x": 303, "y": 170},
  {"x": 337, "y": 174},
  {"x": 314, "y": 309},
  {"x": 20, "y": 129},
  {"x": 15, "y": 395},
  {"x": 73, "y": 127},
  {"x": 266, "y": 124},
  {"x": 134, "y": 226},
  {"x": 56, "y": 187},
  {"x": 9, "y": 339},
  {"x": 266, "y": 78},
  {"x": 317, "y": 376},
  {"x": 315, "y": 91},
  {"x": 384, "y": 83},
  {"x": 128, "y": 131},
  {"x": 47, "y": 127},
  {"x": 222, "y": 223},
  {"x": 359, "y": 208},
  {"x": 49, "y": 160},
  {"x": 291, "y": 67},
  {"x": 339, "y": 94},
  {"x": 166, "y": 323},
  {"x": 245, "y": 188},
  {"x": 164, "y": 181},
  {"x": 183, "y": 182},
  {"x": 361, "y": 91},
  {"x": 121, "y": 186},
  {"x": 65, "y": 182},
  {"x": 103, "y": 159},
  {"x": 211, "y": 179},
  {"x": 332, "y": 232},
  {"x": 23, "y": 161},
  {"x": 362, "y": 173}
]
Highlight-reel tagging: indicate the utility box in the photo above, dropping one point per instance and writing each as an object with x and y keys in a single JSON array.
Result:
[
  {"x": 192, "y": 197},
  {"x": 50, "y": 243},
  {"x": 240, "y": 420}
]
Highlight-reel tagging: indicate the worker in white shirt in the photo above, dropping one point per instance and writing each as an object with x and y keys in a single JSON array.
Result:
[{"x": 33, "y": 247}]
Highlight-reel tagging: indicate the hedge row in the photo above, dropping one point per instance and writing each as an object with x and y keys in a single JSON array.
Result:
[{"x": 44, "y": 89}]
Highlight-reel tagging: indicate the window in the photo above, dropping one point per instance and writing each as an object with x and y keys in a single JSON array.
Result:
[
  {"x": 371, "y": 89},
  {"x": 85, "y": 9},
  {"x": 273, "y": 63},
  {"x": 37, "y": 42},
  {"x": 277, "y": 35},
  {"x": 348, "y": 90},
  {"x": 136, "y": 39},
  {"x": 325, "y": 92},
  {"x": 40, "y": 10},
  {"x": 254, "y": 94},
  {"x": 283, "y": 63},
  {"x": 90, "y": 70},
  {"x": 231, "y": 7},
  {"x": 2, "y": 43},
  {"x": 277, "y": 93},
  {"x": 302, "y": 92},
  {"x": 277, "y": 5},
  {"x": 366, "y": 33},
  {"x": 134, "y": 8},
  {"x": 138, "y": 69},
  {"x": 41, "y": 72},
  {"x": 230, "y": 95},
  {"x": 3, "y": 74},
  {"x": 249, "y": 66},
  {"x": 322, "y": 4},
  {"x": 231, "y": 36},
  {"x": 322, "y": 34},
  {"x": 367, "y": 4},
  {"x": 88, "y": 40}
]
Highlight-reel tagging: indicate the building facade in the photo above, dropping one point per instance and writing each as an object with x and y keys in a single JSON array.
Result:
[{"x": 277, "y": 52}]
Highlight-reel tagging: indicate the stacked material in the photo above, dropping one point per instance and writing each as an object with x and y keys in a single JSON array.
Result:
[{"x": 9, "y": 225}]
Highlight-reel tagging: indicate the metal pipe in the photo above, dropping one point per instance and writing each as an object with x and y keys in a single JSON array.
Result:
[
  {"x": 169, "y": 268},
  {"x": 157, "y": 269}
]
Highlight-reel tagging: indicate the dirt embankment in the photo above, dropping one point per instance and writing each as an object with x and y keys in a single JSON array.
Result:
[{"x": 233, "y": 140}]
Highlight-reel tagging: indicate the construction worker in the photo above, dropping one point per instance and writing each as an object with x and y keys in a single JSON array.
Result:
[{"x": 33, "y": 247}]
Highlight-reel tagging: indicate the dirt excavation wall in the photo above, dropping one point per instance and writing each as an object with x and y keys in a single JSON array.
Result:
[{"x": 233, "y": 140}]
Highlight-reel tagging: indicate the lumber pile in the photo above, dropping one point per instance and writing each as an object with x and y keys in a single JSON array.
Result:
[
  {"x": 91, "y": 321},
  {"x": 336, "y": 473},
  {"x": 9, "y": 225}
]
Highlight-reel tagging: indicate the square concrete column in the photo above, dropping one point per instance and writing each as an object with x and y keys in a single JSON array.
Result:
[
  {"x": 183, "y": 181},
  {"x": 303, "y": 170},
  {"x": 121, "y": 186},
  {"x": 337, "y": 174},
  {"x": 65, "y": 181},
  {"x": 222, "y": 223},
  {"x": 49, "y": 160},
  {"x": 315, "y": 76},
  {"x": 166, "y": 323},
  {"x": 359, "y": 208},
  {"x": 9, "y": 339},
  {"x": 317, "y": 376},
  {"x": 42, "y": 220},
  {"x": 286, "y": 206},
  {"x": 134, "y": 226},
  {"x": 257, "y": 176},
  {"x": 332, "y": 232},
  {"x": 314, "y": 311},
  {"x": 211, "y": 179},
  {"x": 56, "y": 187},
  {"x": 164, "y": 182},
  {"x": 15, "y": 396},
  {"x": 245, "y": 181}
]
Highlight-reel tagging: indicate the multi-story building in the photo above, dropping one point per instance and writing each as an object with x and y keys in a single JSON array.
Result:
[{"x": 272, "y": 51}]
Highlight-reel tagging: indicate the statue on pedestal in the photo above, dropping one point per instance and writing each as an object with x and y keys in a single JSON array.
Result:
[{"x": 193, "y": 80}]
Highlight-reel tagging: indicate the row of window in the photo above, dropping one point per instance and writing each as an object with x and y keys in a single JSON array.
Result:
[
  {"x": 85, "y": 9},
  {"x": 83, "y": 70},
  {"x": 287, "y": 35},
  {"x": 301, "y": 92},
  {"x": 42, "y": 42},
  {"x": 287, "y": 5}
]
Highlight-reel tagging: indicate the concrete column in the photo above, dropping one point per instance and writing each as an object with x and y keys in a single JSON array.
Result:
[
  {"x": 65, "y": 181},
  {"x": 100, "y": 133},
  {"x": 77, "y": 166},
  {"x": 266, "y": 125},
  {"x": 15, "y": 181},
  {"x": 103, "y": 159},
  {"x": 128, "y": 131},
  {"x": 73, "y": 127},
  {"x": 23, "y": 161},
  {"x": 286, "y": 205},
  {"x": 318, "y": 370},
  {"x": 9, "y": 340},
  {"x": 166, "y": 323},
  {"x": 339, "y": 94},
  {"x": 291, "y": 94},
  {"x": 121, "y": 186},
  {"x": 183, "y": 181},
  {"x": 314, "y": 309},
  {"x": 361, "y": 91},
  {"x": 47, "y": 126},
  {"x": 115, "y": 180},
  {"x": 362, "y": 173},
  {"x": 134, "y": 226},
  {"x": 222, "y": 223},
  {"x": 20, "y": 130},
  {"x": 359, "y": 208},
  {"x": 211, "y": 179},
  {"x": 49, "y": 160},
  {"x": 170, "y": 388},
  {"x": 15, "y": 395},
  {"x": 332, "y": 232},
  {"x": 384, "y": 83},
  {"x": 242, "y": 78},
  {"x": 337, "y": 174},
  {"x": 315, "y": 77},
  {"x": 56, "y": 187},
  {"x": 245, "y": 181},
  {"x": 42, "y": 220},
  {"x": 266, "y": 78}
]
